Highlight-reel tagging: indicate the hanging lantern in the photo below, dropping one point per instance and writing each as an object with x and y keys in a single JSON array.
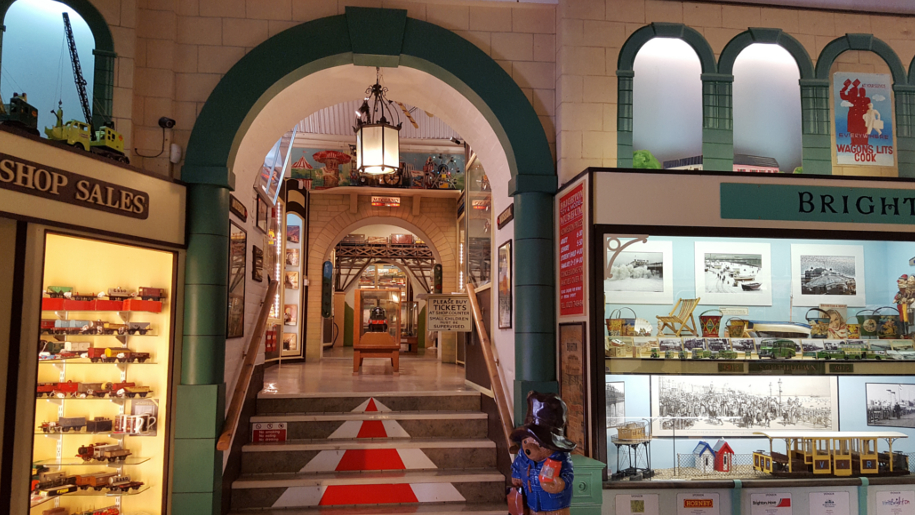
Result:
[{"x": 377, "y": 138}]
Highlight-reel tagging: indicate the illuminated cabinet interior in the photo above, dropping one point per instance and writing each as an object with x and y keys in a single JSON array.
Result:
[{"x": 86, "y": 395}]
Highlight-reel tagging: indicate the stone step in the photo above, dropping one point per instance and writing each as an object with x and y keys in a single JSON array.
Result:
[
  {"x": 348, "y": 401},
  {"x": 402, "y": 509},
  {"x": 323, "y": 455},
  {"x": 367, "y": 488},
  {"x": 384, "y": 424}
]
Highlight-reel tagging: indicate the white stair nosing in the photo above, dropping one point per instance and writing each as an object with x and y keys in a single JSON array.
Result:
[
  {"x": 368, "y": 478},
  {"x": 451, "y": 508},
  {"x": 346, "y": 395},
  {"x": 373, "y": 443},
  {"x": 372, "y": 415}
]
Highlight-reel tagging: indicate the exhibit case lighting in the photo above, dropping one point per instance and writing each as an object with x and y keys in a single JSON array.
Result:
[{"x": 377, "y": 138}]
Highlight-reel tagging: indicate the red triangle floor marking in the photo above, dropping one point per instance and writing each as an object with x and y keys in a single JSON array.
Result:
[
  {"x": 371, "y": 459},
  {"x": 372, "y": 429},
  {"x": 368, "y": 494},
  {"x": 371, "y": 406}
]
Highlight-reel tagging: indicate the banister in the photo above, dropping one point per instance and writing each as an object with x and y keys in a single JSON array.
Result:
[
  {"x": 230, "y": 426},
  {"x": 498, "y": 390}
]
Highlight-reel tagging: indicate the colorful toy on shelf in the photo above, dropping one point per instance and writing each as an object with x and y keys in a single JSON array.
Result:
[
  {"x": 103, "y": 451},
  {"x": 123, "y": 484},
  {"x": 99, "y": 425},
  {"x": 96, "y": 481},
  {"x": 64, "y": 424},
  {"x": 110, "y": 510},
  {"x": 778, "y": 349},
  {"x": 147, "y": 293},
  {"x": 119, "y": 293},
  {"x": 20, "y": 114},
  {"x": 831, "y": 453},
  {"x": 124, "y": 355}
]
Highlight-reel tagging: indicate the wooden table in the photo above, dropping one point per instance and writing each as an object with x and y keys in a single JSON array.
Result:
[{"x": 376, "y": 345}]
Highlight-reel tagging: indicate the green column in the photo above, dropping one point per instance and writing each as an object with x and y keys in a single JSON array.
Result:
[
  {"x": 817, "y": 154},
  {"x": 535, "y": 296},
  {"x": 717, "y": 122},
  {"x": 102, "y": 87},
  {"x": 905, "y": 129},
  {"x": 624, "y": 79},
  {"x": 200, "y": 399}
]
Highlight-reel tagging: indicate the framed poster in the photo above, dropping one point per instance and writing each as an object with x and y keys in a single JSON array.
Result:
[
  {"x": 237, "y": 208},
  {"x": 572, "y": 385},
  {"x": 291, "y": 281},
  {"x": 293, "y": 233},
  {"x": 864, "y": 118},
  {"x": 616, "y": 403},
  {"x": 290, "y": 314},
  {"x": 735, "y": 273},
  {"x": 890, "y": 404},
  {"x": 261, "y": 214},
  {"x": 292, "y": 257},
  {"x": 238, "y": 253},
  {"x": 289, "y": 341},
  {"x": 739, "y": 406},
  {"x": 257, "y": 264},
  {"x": 827, "y": 274},
  {"x": 505, "y": 285},
  {"x": 640, "y": 274},
  {"x": 572, "y": 223}
]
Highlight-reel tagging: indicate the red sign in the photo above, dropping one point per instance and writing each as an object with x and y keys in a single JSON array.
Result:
[
  {"x": 268, "y": 432},
  {"x": 571, "y": 252}
]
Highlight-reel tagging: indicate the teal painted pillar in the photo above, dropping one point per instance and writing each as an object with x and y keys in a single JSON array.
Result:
[
  {"x": 624, "y": 80},
  {"x": 905, "y": 129},
  {"x": 815, "y": 127},
  {"x": 102, "y": 87},
  {"x": 200, "y": 399},
  {"x": 535, "y": 297},
  {"x": 717, "y": 122},
  {"x": 587, "y": 489},
  {"x": 862, "y": 495}
]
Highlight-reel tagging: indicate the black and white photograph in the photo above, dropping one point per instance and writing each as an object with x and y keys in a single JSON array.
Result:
[
  {"x": 616, "y": 404},
  {"x": 888, "y": 404},
  {"x": 640, "y": 274},
  {"x": 732, "y": 406},
  {"x": 743, "y": 344},
  {"x": 813, "y": 345},
  {"x": 733, "y": 273},
  {"x": 824, "y": 274},
  {"x": 690, "y": 344},
  {"x": 674, "y": 344},
  {"x": 717, "y": 344}
]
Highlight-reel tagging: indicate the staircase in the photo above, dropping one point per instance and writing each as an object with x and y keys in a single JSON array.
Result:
[{"x": 404, "y": 452}]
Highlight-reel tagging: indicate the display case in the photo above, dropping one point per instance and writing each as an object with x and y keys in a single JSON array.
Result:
[
  {"x": 388, "y": 299},
  {"x": 102, "y": 398}
]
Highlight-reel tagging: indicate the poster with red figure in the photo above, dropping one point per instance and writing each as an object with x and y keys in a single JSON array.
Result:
[
  {"x": 572, "y": 252},
  {"x": 864, "y": 119}
]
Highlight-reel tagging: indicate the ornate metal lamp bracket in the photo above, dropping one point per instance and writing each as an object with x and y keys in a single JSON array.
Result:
[{"x": 615, "y": 246}]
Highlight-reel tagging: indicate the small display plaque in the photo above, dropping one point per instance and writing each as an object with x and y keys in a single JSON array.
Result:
[{"x": 268, "y": 432}]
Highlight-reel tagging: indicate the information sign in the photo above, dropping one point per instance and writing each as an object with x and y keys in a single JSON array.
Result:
[
  {"x": 637, "y": 504},
  {"x": 448, "y": 313},
  {"x": 268, "y": 432},
  {"x": 572, "y": 252},
  {"x": 770, "y": 504},
  {"x": 894, "y": 502},
  {"x": 829, "y": 503},
  {"x": 698, "y": 504}
]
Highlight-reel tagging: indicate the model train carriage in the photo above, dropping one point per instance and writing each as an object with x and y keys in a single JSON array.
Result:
[
  {"x": 147, "y": 293},
  {"x": 64, "y": 424},
  {"x": 45, "y": 389},
  {"x": 119, "y": 293},
  {"x": 138, "y": 328},
  {"x": 124, "y": 355},
  {"x": 21, "y": 114},
  {"x": 103, "y": 451},
  {"x": 64, "y": 390},
  {"x": 98, "y": 354},
  {"x": 123, "y": 484},
  {"x": 825, "y": 453},
  {"x": 116, "y": 389},
  {"x": 96, "y": 481},
  {"x": 90, "y": 390},
  {"x": 99, "y": 425},
  {"x": 136, "y": 391},
  {"x": 57, "y": 292},
  {"x": 50, "y": 348}
]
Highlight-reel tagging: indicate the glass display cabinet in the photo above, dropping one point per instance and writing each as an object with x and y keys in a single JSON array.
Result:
[{"x": 389, "y": 299}]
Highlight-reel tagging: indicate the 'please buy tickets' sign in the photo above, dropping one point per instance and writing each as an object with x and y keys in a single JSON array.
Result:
[{"x": 448, "y": 313}]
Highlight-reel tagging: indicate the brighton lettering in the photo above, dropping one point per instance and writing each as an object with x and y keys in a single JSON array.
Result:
[{"x": 855, "y": 205}]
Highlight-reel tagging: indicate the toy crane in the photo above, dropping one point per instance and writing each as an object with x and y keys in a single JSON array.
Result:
[{"x": 77, "y": 70}]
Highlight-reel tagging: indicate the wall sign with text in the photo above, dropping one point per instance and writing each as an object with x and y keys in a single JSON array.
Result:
[
  {"x": 572, "y": 252},
  {"x": 448, "y": 313}
]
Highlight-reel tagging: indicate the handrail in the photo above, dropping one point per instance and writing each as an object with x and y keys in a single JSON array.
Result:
[
  {"x": 495, "y": 380},
  {"x": 230, "y": 426}
]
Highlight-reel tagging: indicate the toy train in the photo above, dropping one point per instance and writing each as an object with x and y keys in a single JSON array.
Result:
[
  {"x": 20, "y": 114},
  {"x": 77, "y": 390},
  {"x": 103, "y": 451},
  {"x": 831, "y": 453},
  {"x": 53, "y": 484},
  {"x": 51, "y": 350},
  {"x": 57, "y": 327},
  {"x": 60, "y": 510},
  {"x": 67, "y": 424},
  {"x": 117, "y": 293}
]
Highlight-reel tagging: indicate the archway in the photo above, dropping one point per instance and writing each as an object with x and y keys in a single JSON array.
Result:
[{"x": 236, "y": 106}]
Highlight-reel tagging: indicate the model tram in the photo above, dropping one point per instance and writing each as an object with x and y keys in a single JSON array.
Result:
[{"x": 831, "y": 453}]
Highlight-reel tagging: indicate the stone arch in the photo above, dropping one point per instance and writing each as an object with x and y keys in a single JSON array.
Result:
[
  {"x": 765, "y": 35},
  {"x": 864, "y": 42},
  {"x": 691, "y": 36},
  {"x": 103, "y": 74}
]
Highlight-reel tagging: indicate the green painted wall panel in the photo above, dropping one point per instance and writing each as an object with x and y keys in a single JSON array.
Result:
[
  {"x": 208, "y": 210},
  {"x": 189, "y": 474},
  {"x": 199, "y": 410},
  {"x": 535, "y": 356},
  {"x": 203, "y": 360},
  {"x": 533, "y": 215},
  {"x": 532, "y": 313},
  {"x": 205, "y": 309},
  {"x": 538, "y": 273},
  {"x": 196, "y": 503},
  {"x": 203, "y": 252},
  {"x": 376, "y": 32}
]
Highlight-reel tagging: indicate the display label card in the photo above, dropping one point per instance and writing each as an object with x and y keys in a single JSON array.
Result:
[
  {"x": 641, "y": 504},
  {"x": 698, "y": 504},
  {"x": 268, "y": 432},
  {"x": 829, "y": 503},
  {"x": 448, "y": 313},
  {"x": 893, "y": 503},
  {"x": 770, "y": 504}
]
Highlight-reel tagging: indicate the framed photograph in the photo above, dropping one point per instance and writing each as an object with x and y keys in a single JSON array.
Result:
[
  {"x": 890, "y": 404},
  {"x": 238, "y": 253},
  {"x": 827, "y": 274},
  {"x": 290, "y": 314},
  {"x": 616, "y": 403},
  {"x": 740, "y": 405},
  {"x": 733, "y": 274},
  {"x": 505, "y": 285},
  {"x": 289, "y": 341},
  {"x": 743, "y": 345},
  {"x": 292, "y": 257},
  {"x": 257, "y": 264},
  {"x": 237, "y": 208},
  {"x": 572, "y": 383},
  {"x": 293, "y": 233},
  {"x": 640, "y": 274},
  {"x": 261, "y": 214},
  {"x": 292, "y": 280}
]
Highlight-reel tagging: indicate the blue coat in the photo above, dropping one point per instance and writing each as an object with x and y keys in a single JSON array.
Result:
[{"x": 528, "y": 471}]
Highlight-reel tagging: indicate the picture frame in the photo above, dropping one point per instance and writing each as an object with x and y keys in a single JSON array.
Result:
[
  {"x": 261, "y": 221},
  {"x": 291, "y": 280},
  {"x": 292, "y": 257},
  {"x": 293, "y": 233},
  {"x": 237, "y": 208},
  {"x": 828, "y": 274},
  {"x": 890, "y": 404},
  {"x": 289, "y": 342},
  {"x": 257, "y": 264},
  {"x": 573, "y": 382},
  {"x": 290, "y": 314},
  {"x": 733, "y": 274},
  {"x": 616, "y": 403},
  {"x": 505, "y": 285},
  {"x": 655, "y": 284},
  {"x": 802, "y": 403},
  {"x": 238, "y": 252}
]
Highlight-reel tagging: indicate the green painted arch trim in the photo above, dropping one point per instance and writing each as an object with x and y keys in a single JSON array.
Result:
[
  {"x": 912, "y": 72},
  {"x": 864, "y": 42},
  {"x": 93, "y": 18},
  {"x": 283, "y": 59},
  {"x": 770, "y": 36},
  {"x": 691, "y": 36}
]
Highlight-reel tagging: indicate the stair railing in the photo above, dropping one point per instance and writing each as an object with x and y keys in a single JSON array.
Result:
[
  {"x": 498, "y": 390},
  {"x": 230, "y": 426}
]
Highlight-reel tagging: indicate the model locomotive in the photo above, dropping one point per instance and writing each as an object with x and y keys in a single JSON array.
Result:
[
  {"x": 825, "y": 453},
  {"x": 116, "y": 293},
  {"x": 59, "y": 327},
  {"x": 53, "y": 484},
  {"x": 67, "y": 424},
  {"x": 77, "y": 390},
  {"x": 20, "y": 114},
  {"x": 103, "y": 451}
]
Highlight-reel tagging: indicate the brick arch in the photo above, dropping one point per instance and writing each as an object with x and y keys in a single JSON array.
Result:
[{"x": 331, "y": 220}]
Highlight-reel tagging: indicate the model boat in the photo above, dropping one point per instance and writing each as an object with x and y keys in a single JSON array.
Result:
[
  {"x": 770, "y": 329},
  {"x": 750, "y": 286}
]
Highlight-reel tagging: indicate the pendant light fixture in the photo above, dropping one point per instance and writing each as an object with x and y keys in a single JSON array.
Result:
[{"x": 377, "y": 138}]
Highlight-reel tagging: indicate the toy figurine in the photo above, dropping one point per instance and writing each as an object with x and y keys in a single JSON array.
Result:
[
  {"x": 910, "y": 289},
  {"x": 901, "y": 283},
  {"x": 542, "y": 467}
]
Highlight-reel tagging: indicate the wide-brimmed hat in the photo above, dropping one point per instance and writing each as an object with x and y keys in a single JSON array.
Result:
[{"x": 545, "y": 422}]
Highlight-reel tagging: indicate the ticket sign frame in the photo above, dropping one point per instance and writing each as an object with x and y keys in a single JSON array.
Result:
[{"x": 449, "y": 313}]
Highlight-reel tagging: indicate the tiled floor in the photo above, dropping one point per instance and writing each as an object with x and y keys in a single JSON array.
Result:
[{"x": 334, "y": 375}]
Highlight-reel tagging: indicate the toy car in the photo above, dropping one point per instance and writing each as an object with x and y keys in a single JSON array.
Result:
[{"x": 777, "y": 349}]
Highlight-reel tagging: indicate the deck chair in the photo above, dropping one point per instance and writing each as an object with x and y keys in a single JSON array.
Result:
[{"x": 682, "y": 320}]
